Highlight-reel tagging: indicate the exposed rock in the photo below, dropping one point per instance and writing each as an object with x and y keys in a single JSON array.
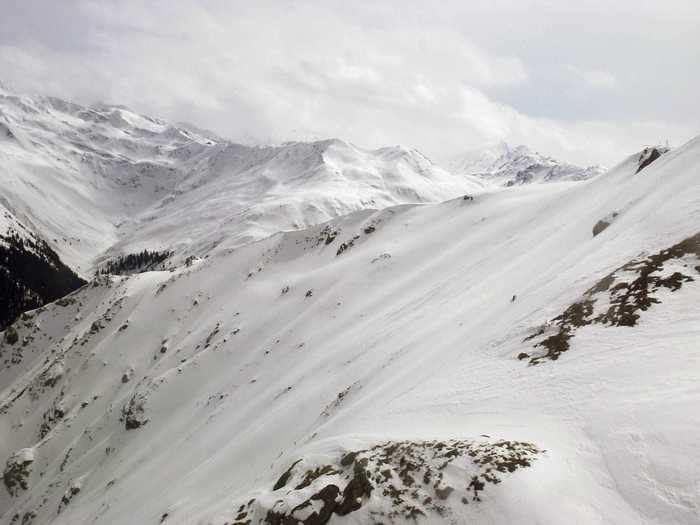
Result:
[
  {"x": 600, "y": 227},
  {"x": 382, "y": 257},
  {"x": 649, "y": 155},
  {"x": 51, "y": 376},
  {"x": 211, "y": 335},
  {"x": 95, "y": 327},
  {"x": 284, "y": 478},
  {"x": 625, "y": 293},
  {"x": 347, "y": 245},
  {"x": 25, "y": 519},
  {"x": 127, "y": 375},
  {"x": 51, "y": 418},
  {"x": 134, "y": 413},
  {"x": 317, "y": 510},
  {"x": 355, "y": 491},
  {"x": 11, "y": 337},
  {"x": 408, "y": 475},
  {"x": 17, "y": 471},
  {"x": 603, "y": 224},
  {"x": 73, "y": 490}
]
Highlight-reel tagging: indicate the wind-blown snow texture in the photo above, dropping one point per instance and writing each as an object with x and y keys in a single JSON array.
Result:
[{"x": 383, "y": 367}]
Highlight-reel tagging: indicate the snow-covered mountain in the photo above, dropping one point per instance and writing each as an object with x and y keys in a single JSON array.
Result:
[
  {"x": 100, "y": 183},
  {"x": 31, "y": 273},
  {"x": 515, "y": 356},
  {"x": 504, "y": 165},
  {"x": 103, "y": 179}
]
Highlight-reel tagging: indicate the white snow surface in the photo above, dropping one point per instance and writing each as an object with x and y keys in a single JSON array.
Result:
[
  {"x": 502, "y": 165},
  {"x": 100, "y": 181},
  {"x": 237, "y": 362}
]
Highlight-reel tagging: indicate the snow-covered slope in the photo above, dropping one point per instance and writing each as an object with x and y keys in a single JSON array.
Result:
[
  {"x": 75, "y": 175},
  {"x": 31, "y": 273},
  {"x": 97, "y": 182},
  {"x": 485, "y": 360},
  {"x": 236, "y": 194},
  {"x": 501, "y": 164}
]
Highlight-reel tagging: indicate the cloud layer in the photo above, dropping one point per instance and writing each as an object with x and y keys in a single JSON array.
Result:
[{"x": 585, "y": 81}]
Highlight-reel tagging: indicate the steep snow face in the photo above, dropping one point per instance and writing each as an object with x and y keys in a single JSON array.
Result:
[
  {"x": 96, "y": 182},
  {"x": 485, "y": 360},
  {"x": 503, "y": 165}
]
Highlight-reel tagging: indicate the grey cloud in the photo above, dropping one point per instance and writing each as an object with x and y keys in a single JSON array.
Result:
[{"x": 587, "y": 81}]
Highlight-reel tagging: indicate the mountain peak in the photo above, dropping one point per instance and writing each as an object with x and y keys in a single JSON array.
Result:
[
  {"x": 159, "y": 185},
  {"x": 506, "y": 165}
]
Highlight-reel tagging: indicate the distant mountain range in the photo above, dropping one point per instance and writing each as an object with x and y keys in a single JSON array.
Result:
[
  {"x": 102, "y": 180},
  {"x": 510, "y": 166}
]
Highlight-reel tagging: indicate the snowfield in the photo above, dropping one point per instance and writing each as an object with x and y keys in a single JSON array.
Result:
[{"x": 481, "y": 360}]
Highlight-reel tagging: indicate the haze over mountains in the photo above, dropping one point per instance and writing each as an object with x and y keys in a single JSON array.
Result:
[
  {"x": 502, "y": 164},
  {"x": 321, "y": 333},
  {"x": 128, "y": 181}
]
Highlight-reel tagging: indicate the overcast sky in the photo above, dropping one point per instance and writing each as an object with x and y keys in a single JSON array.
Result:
[{"x": 587, "y": 81}]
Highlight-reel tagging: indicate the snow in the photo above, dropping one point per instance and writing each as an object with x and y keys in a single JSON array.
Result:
[
  {"x": 103, "y": 181},
  {"x": 503, "y": 165},
  {"x": 25, "y": 455},
  {"x": 408, "y": 334}
]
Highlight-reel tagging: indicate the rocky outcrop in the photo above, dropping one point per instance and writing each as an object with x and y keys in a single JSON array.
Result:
[
  {"x": 603, "y": 223},
  {"x": 17, "y": 471},
  {"x": 134, "y": 413},
  {"x": 393, "y": 482},
  {"x": 624, "y": 295},
  {"x": 74, "y": 488},
  {"x": 649, "y": 155}
]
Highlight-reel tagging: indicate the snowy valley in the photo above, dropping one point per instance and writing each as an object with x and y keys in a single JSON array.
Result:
[{"x": 342, "y": 335}]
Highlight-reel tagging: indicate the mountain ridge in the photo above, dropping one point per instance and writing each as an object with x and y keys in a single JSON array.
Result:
[
  {"x": 146, "y": 165},
  {"x": 506, "y": 165}
]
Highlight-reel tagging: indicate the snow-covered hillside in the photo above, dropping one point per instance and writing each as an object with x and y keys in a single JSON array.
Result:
[
  {"x": 98, "y": 182},
  {"x": 31, "y": 273},
  {"x": 503, "y": 165},
  {"x": 482, "y": 360}
]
